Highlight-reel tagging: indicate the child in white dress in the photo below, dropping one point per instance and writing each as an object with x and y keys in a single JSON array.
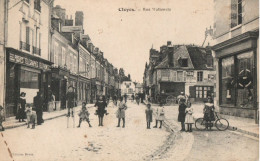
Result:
[{"x": 189, "y": 118}]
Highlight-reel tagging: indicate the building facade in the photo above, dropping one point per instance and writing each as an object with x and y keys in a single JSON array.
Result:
[
  {"x": 180, "y": 68},
  {"x": 236, "y": 55},
  {"x": 27, "y": 52}
]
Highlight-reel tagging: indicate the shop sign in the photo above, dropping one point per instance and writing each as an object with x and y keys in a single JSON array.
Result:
[{"x": 27, "y": 61}]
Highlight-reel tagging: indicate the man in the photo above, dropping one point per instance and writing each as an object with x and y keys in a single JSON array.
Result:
[
  {"x": 125, "y": 96},
  {"x": 38, "y": 104},
  {"x": 71, "y": 98}
]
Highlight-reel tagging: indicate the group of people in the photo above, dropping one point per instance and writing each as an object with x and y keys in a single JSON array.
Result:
[
  {"x": 101, "y": 111},
  {"x": 186, "y": 111},
  {"x": 31, "y": 113},
  {"x": 159, "y": 115}
]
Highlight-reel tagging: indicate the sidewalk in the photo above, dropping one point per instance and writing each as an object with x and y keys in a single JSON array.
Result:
[
  {"x": 243, "y": 125},
  {"x": 11, "y": 122}
]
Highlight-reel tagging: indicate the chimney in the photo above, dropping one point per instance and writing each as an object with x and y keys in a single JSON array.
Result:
[
  {"x": 170, "y": 56},
  {"x": 169, "y": 43}
]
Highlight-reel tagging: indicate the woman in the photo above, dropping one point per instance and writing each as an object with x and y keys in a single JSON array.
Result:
[
  {"x": 21, "y": 115},
  {"x": 121, "y": 112},
  {"x": 209, "y": 112},
  {"x": 182, "y": 114},
  {"x": 101, "y": 105}
]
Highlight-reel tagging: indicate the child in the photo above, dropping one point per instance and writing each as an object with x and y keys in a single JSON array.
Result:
[
  {"x": 121, "y": 112},
  {"x": 181, "y": 116},
  {"x": 84, "y": 115},
  {"x": 188, "y": 118},
  {"x": 31, "y": 116},
  {"x": 209, "y": 113},
  {"x": 149, "y": 115},
  {"x": 159, "y": 115},
  {"x": 1, "y": 118}
]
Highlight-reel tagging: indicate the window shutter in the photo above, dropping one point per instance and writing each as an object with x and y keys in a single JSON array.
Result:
[
  {"x": 233, "y": 13},
  {"x": 175, "y": 76},
  {"x": 27, "y": 35}
]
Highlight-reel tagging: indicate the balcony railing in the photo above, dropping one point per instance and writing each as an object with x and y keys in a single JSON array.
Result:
[
  {"x": 24, "y": 46},
  {"x": 36, "y": 51},
  {"x": 37, "y": 5}
]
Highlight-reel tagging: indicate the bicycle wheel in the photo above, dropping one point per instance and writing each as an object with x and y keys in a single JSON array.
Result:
[
  {"x": 200, "y": 124},
  {"x": 222, "y": 124}
]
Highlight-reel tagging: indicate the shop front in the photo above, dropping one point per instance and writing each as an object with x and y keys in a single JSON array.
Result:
[
  {"x": 25, "y": 73},
  {"x": 237, "y": 60},
  {"x": 59, "y": 86},
  {"x": 83, "y": 90}
]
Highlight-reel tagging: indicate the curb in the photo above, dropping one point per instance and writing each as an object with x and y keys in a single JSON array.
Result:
[{"x": 47, "y": 119}]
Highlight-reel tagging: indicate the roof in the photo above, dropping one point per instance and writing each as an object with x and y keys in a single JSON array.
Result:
[{"x": 196, "y": 54}]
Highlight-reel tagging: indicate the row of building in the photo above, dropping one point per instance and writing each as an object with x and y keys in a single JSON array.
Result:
[
  {"x": 43, "y": 50},
  {"x": 228, "y": 70}
]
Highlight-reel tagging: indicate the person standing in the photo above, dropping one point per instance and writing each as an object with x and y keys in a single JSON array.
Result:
[
  {"x": 181, "y": 96},
  {"x": 159, "y": 115},
  {"x": 71, "y": 98},
  {"x": 149, "y": 115},
  {"x": 38, "y": 104},
  {"x": 101, "y": 105},
  {"x": 181, "y": 116},
  {"x": 209, "y": 112},
  {"x": 189, "y": 118},
  {"x": 121, "y": 112},
  {"x": 133, "y": 97},
  {"x": 125, "y": 96},
  {"x": 137, "y": 99},
  {"x": 21, "y": 115},
  {"x": 115, "y": 100}
]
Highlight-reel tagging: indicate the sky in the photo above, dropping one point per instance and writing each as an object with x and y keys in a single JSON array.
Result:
[{"x": 126, "y": 37}]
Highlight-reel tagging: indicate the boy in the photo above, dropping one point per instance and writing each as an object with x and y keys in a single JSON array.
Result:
[
  {"x": 149, "y": 115},
  {"x": 84, "y": 115}
]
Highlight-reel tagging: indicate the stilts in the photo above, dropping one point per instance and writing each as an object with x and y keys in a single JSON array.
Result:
[{"x": 73, "y": 118}]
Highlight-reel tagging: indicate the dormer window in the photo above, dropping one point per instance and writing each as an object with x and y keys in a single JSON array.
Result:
[{"x": 183, "y": 62}]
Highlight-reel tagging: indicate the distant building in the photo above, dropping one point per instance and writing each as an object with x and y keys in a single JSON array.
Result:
[
  {"x": 139, "y": 88},
  {"x": 180, "y": 68},
  {"x": 127, "y": 87}
]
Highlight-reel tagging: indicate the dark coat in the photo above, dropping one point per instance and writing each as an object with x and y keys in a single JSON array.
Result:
[
  {"x": 101, "y": 107},
  {"x": 181, "y": 116},
  {"x": 70, "y": 97},
  {"x": 209, "y": 112},
  {"x": 21, "y": 111},
  {"x": 149, "y": 115},
  {"x": 38, "y": 102}
]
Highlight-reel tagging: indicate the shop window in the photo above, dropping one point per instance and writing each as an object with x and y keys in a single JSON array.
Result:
[
  {"x": 228, "y": 81},
  {"x": 29, "y": 80},
  {"x": 245, "y": 88},
  {"x": 199, "y": 76},
  {"x": 203, "y": 91}
]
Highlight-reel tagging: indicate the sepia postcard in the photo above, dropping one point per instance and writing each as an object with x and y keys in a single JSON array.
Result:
[{"x": 129, "y": 80}]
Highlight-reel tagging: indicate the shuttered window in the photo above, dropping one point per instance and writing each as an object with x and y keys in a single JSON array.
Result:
[
  {"x": 27, "y": 35},
  {"x": 237, "y": 12}
]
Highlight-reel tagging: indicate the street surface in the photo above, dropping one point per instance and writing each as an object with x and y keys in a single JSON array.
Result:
[{"x": 54, "y": 141}]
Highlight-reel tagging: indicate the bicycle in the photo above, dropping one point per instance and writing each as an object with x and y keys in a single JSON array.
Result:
[{"x": 220, "y": 123}]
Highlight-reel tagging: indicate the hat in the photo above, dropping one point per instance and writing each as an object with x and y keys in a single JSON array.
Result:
[
  {"x": 22, "y": 94},
  {"x": 148, "y": 104},
  {"x": 182, "y": 92}
]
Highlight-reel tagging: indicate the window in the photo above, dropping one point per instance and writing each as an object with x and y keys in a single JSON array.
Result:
[
  {"x": 183, "y": 62},
  {"x": 236, "y": 12},
  {"x": 165, "y": 75},
  {"x": 63, "y": 56},
  {"x": 37, "y": 5},
  {"x": 203, "y": 91},
  {"x": 179, "y": 76},
  {"x": 228, "y": 81},
  {"x": 29, "y": 80},
  {"x": 199, "y": 76}
]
